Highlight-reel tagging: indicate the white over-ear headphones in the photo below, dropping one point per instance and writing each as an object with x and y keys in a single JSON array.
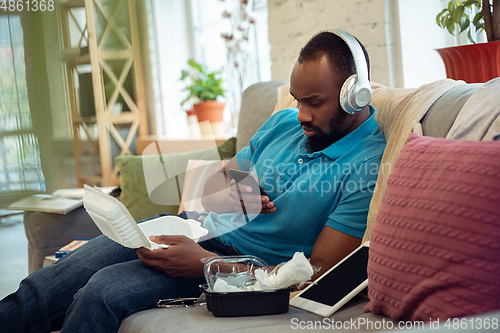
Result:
[{"x": 356, "y": 91}]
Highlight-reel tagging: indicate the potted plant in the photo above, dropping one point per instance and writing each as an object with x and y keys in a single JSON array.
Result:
[
  {"x": 475, "y": 62},
  {"x": 204, "y": 88}
]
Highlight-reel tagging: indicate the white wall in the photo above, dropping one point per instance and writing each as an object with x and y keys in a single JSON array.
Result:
[
  {"x": 192, "y": 28},
  {"x": 400, "y": 35},
  {"x": 174, "y": 50},
  {"x": 420, "y": 36},
  {"x": 293, "y": 22}
]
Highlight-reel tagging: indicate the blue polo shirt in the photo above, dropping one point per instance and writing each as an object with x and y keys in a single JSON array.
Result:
[{"x": 332, "y": 187}]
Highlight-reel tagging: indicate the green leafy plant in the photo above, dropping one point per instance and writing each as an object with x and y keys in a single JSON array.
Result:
[
  {"x": 204, "y": 85},
  {"x": 459, "y": 13}
]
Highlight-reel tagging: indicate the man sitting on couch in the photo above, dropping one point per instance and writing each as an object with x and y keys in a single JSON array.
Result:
[{"x": 317, "y": 167}]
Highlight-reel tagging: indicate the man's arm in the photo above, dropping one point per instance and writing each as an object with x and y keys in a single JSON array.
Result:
[
  {"x": 183, "y": 258},
  {"x": 331, "y": 247},
  {"x": 220, "y": 194}
]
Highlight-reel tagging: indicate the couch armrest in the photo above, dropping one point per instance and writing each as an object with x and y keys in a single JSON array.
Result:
[
  {"x": 441, "y": 115},
  {"x": 48, "y": 232}
]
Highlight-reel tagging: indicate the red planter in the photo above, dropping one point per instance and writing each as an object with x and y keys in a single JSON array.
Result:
[
  {"x": 474, "y": 63},
  {"x": 212, "y": 111}
]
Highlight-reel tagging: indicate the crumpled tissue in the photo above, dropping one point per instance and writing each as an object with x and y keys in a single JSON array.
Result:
[{"x": 296, "y": 270}]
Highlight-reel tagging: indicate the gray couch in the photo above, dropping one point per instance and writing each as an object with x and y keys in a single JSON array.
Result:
[{"x": 47, "y": 232}]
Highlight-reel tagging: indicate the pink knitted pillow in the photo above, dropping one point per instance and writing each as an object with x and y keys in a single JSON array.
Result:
[{"x": 435, "y": 246}]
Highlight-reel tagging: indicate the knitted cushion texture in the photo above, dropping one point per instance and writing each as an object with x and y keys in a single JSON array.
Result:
[{"x": 435, "y": 246}]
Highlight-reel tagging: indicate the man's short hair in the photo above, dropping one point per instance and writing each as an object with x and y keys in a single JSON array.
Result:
[{"x": 337, "y": 52}]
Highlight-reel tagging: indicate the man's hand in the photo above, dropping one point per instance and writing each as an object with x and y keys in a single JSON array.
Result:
[
  {"x": 247, "y": 201},
  {"x": 221, "y": 185},
  {"x": 181, "y": 259}
]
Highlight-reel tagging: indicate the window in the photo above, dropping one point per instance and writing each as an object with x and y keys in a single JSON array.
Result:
[
  {"x": 193, "y": 28},
  {"x": 420, "y": 37},
  {"x": 20, "y": 168}
]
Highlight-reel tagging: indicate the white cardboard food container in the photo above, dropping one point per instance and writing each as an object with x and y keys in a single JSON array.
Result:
[{"x": 114, "y": 220}]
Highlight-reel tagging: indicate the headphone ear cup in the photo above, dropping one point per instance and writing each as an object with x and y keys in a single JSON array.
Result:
[{"x": 346, "y": 95}]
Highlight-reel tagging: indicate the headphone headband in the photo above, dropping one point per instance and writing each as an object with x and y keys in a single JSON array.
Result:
[{"x": 356, "y": 91}]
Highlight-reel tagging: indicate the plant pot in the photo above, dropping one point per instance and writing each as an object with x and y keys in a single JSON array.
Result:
[
  {"x": 476, "y": 63},
  {"x": 212, "y": 111}
]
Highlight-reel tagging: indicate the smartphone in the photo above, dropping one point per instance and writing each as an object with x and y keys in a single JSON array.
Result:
[
  {"x": 244, "y": 178},
  {"x": 337, "y": 285}
]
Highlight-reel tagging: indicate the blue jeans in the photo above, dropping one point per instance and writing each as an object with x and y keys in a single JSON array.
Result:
[{"x": 93, "y": 289}]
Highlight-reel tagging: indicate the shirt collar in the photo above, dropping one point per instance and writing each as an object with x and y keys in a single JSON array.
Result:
[{"x": 342, "y": 146}]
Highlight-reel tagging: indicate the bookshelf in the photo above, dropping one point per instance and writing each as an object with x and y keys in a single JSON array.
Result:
[{"x": 104, "y": 84}]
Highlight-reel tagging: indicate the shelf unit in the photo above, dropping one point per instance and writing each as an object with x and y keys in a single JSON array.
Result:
[{"x": 102, "y": 35}]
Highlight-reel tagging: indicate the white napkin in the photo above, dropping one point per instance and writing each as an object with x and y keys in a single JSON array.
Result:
[{"x": 294, "y": 271}]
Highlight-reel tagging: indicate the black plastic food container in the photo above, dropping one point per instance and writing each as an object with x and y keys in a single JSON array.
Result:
[{"x": 247, "y": 303}]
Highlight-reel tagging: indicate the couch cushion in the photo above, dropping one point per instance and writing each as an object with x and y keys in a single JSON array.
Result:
[
  {"x": 434, "y": 250},
  {"x": 257, "y": 105},
  {"x": 164, "y": 198},
  {"x": 199, "y": 319},
  {"x": 440, "y": 117}
]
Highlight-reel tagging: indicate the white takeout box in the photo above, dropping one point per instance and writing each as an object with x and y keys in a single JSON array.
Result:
[{"x": 114, "y": 220}]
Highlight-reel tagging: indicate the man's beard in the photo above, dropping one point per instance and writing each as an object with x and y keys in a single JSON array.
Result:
[{"x": 322, "y": 140}]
